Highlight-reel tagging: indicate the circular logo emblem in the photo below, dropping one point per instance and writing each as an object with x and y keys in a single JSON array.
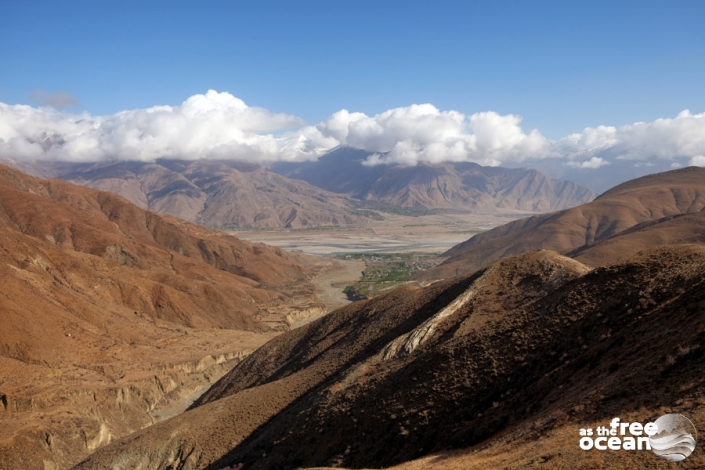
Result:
[{"x": 675, "y": 439}]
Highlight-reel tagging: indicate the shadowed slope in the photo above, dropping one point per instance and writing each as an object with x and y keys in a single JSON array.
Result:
[
  {"x": 525, "y": 346},
  {"x": 682, "y": 228},
  {"x": 282, "y": 373}
]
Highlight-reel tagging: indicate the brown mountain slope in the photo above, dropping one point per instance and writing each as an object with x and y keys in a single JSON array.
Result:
[
  {"x": 107, "y": 310},
  {"x": 213, "y": 193},
  {"x": 683, "y": 228},
  {"x": 437, "y": 186},
  {"x": 534, "y": 345},
  {"x": 639, "y": 201},
  {"x": 457, "y": 185},
  {"x": 47, "y": 217}
]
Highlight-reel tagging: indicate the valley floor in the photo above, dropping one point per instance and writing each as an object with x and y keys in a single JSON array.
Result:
[{"x": 396, "y": 234}]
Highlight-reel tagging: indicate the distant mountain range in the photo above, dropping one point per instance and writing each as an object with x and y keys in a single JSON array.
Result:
[
  {"x": 298, "y": 195},
  {"x": 436, "y": 186},
  {"x": 227, "y": 194}
]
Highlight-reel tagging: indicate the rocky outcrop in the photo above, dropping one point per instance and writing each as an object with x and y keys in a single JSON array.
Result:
[{"x": 84, "y": 419}]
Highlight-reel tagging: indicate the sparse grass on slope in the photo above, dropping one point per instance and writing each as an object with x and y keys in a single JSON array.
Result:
[{"x": 522, "y": 352}]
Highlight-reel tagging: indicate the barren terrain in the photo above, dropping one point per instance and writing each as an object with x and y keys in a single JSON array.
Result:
[
  {"x": 114, "y": 318},
  {"x": 498, "y": 370},
  {"x": 636, "y": 215},
  {"x": 139, "y": 340},
  {"x": 236, "y": 194},
  {"x": 430, "y": 233},
  {"x": 464, "y": 185}
]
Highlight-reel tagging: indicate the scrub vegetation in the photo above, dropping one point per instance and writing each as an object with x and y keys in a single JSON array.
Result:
[{"x": 384, "y": 271}]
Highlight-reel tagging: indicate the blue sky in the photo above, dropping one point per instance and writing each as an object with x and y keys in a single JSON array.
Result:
[{"x": 561, "y": 65}]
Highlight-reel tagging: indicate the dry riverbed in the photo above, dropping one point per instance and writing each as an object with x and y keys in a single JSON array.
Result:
[
  {"x": 363, "y": 262},
  {"x": 434, "y": 233}
]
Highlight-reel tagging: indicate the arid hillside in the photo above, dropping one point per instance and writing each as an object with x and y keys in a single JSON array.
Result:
[
  {"x": 636, "y": 215},
  {"x": 682, "y": 228},
  {"x": 513, "y": 358},
  {"x": 110, "y": 312},
  {"x": 213, "y": 193},
  {"x": 437, "y": 186}
]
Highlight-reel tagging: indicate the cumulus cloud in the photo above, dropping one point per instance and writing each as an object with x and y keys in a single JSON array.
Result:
[
  {"x": 665, "y": 139},
  {"x": 221, "y": 126},
  {"x": 422, "y": 132},
  {"x": 594, "y": 163},
  {"x": 698, "y": 160},
  {"x": 214, "y": 125},
  {"x": 58, "y": 100}
]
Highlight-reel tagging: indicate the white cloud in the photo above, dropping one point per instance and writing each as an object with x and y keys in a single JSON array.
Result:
[
  {"x": 697, "y": 160},
  {"x": 589, "y": 142},
  {"x": 594, "y": 163},
  {"x": 665, "y": 139},
  {"x": 219, "y": 125},
  {"x": 424, "y": 133},
  {"x": 214, "y": 125}
]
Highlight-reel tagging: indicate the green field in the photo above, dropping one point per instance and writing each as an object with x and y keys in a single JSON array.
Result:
[{"x": 384, "y": 271}]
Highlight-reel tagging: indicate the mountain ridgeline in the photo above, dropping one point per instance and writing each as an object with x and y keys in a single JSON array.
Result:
[
  {"x": 436, "y": 186},
  {"x": 532, "y": 331},
  {"x": 655, "y": 210},
  {"x": 498, "y": 367},
  {"x": 337, "y": 190},
  {"x": 224, "y": 194}
]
